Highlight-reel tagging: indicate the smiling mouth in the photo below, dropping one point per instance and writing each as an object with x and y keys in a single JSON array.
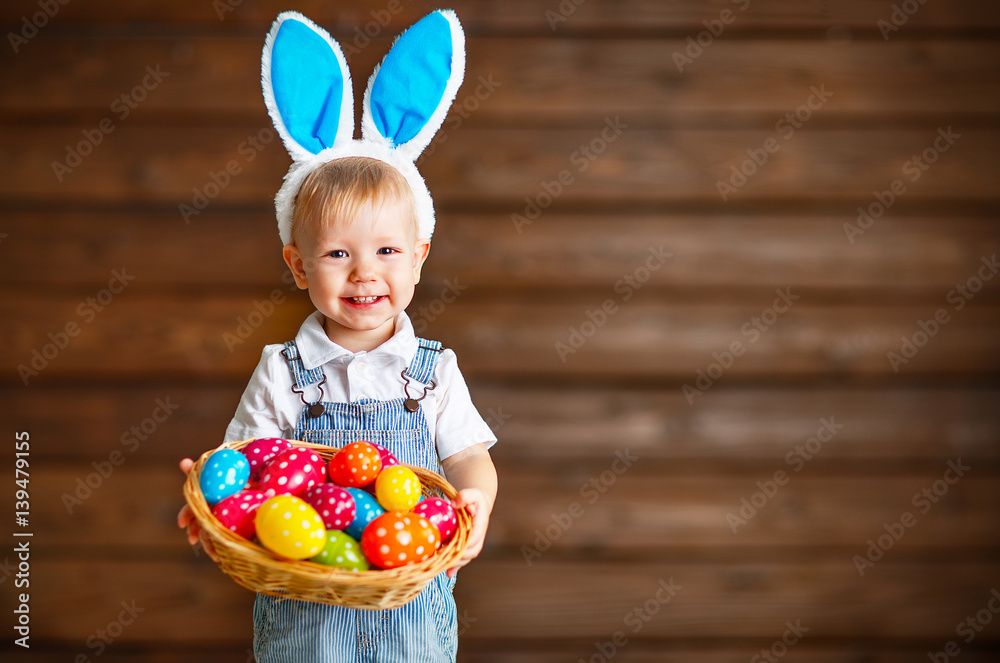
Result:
[{"x": 364, "y": 300}]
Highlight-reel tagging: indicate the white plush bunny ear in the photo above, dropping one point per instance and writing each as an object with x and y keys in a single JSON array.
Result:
[
  {"x": 409, "y": 95},
  {"x": 307, "y": 86}
]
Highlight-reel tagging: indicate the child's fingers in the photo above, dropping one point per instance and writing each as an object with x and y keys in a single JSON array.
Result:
[{"x": 186, "y": 464}]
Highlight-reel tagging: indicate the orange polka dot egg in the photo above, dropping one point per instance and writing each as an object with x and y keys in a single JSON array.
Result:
[
  {"x": 356, "y": 465},
  {"x": 398, "y": 538}
]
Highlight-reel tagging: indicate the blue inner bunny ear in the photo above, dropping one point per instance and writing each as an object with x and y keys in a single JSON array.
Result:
[
  {"x": 308, "y": 85},
  {"x": 412, "y": 79}
]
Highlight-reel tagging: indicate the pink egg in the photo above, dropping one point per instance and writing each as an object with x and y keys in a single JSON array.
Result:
[
  {"x": 236, "y": 512},
  {"x": 333, "y": 504},
  {"x": 388, "y": 460},
  {"x": 261, "y": 451},
  {"x": 293, "y": 472},
  {"x": 441, "y": 514}
]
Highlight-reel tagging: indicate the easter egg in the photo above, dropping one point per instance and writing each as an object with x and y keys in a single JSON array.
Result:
[
  {"x": 334, "y": 504},
  {"x": 388, "y": 460},
  {"x": 237, "y": 511},
  {"x": 356, "y": 465},
  {"x": 441, "y": 514},
  {"x": 341, "y": 551},
  {"x": 225, "y": 473},
  {"x": 398, "y": 488},
  {"x": 289, "y": 527},
  {"x": 396, "y": 539},
  {"x": 366, "y": 510},
  {"x": 261, "y": 451},
  {"x": 293, "y": 472}
]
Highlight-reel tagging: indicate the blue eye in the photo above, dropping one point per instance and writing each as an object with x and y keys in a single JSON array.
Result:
[
  {"x": 386, "y": 250},
  {"x": 337, "y": 253}
]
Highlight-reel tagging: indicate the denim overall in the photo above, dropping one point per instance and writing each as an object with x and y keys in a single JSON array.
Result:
[{"x": 422, "y": 631}]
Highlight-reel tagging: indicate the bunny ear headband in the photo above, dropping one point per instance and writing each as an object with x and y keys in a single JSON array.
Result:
[{"x": 308, "y": 94}]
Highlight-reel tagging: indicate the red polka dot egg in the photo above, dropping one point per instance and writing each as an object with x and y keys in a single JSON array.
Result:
[
  {"x": 236, "y": 512},
  {"x": 397, "y": 539},
  {"x": 262, "y": 451},
  {"x": 356, "y": 465},
  {"x": 441, "y": 514},
  {"x": 293, "y": 472},
  {"x": 334, "y": 504}
]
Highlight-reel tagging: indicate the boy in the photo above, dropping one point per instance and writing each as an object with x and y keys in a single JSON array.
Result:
[{"x": 356, "y": 249}]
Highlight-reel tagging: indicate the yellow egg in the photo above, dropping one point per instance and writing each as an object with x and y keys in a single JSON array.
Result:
[
  {"x": 397, "y": 488},
  {"x": 288, "y": 526}
]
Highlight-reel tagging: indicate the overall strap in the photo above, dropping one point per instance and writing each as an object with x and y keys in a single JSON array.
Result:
[
  {"x": 421, "y": 368},
  {"x": 300, "y": 375}
]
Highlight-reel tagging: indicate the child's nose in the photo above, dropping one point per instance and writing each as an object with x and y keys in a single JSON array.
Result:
[{"x": 364, "y": 270}]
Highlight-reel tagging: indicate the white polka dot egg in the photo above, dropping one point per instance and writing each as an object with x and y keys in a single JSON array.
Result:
[{"x": 398, "y": 538}]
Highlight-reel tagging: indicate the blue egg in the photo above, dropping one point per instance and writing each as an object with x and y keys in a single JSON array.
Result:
[
  {"x": 225, "y": 473},
  {"x": 366, "y": 510}
]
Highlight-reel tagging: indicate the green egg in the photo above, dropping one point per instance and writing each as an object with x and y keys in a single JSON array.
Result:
[{"x": 341, "y": 551}]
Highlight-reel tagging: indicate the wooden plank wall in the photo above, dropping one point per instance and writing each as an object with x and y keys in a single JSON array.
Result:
[{"x": 650, "y": 351}]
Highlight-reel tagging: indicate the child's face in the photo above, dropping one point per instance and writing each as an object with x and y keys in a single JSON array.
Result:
[{"x": 362, "y": 274}]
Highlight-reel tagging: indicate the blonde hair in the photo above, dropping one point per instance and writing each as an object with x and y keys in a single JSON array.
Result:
[{"x": 336, "y": 192}]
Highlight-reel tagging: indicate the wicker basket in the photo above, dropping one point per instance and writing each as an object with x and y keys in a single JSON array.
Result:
[{"x": 259, "y": 570}]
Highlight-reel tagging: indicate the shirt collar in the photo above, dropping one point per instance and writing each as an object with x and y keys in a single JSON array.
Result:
[{"x": 316, "y": 348}]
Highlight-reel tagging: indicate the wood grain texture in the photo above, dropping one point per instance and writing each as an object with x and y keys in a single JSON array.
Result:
[
  {"x": 486, "y": 16},
  {"x": 887, "y": 429},
  {"x": 548, "y": 601},
  {"x": 912, "y": 257},
  {"x": 533, "y": 80},
  {"x": 641, "y": 339},
  {"x": 172, "y": 166},
  {"x": 623, "y": 505}
]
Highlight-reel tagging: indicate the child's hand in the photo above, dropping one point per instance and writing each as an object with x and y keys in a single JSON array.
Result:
[
  {"x": 479, "y": 507},
  {"x": 186, "y": 519}
]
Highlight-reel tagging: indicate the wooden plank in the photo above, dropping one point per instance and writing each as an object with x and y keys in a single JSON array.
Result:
[
  {"x": 721, "y": 650},
  {"x": 907, "y": 257},
  {"x": 178, "y": 336},
  {"x": 174, "y": 165},
  {"x": 882, "y": 428},
  {"x": 537, "y": 79},
  {"x": 622, "y": 505},
  {"x": 518, "y": 15},
  {"x": 549, "y": 601}
]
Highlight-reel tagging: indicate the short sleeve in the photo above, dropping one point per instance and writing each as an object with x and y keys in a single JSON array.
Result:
[
  {"x": 258, "y": 414},
  {"x": 459, "y": 424}
]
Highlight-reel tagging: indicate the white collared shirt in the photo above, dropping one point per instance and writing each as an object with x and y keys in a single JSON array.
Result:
[{"x": 269, "y": 407}]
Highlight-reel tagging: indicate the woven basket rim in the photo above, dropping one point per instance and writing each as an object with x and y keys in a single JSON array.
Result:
[{"x": 249, "y": 564}]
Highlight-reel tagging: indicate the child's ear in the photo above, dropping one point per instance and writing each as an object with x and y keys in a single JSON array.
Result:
[
  {"x": 295, "y": 263},
  {"x": 420, "y": 252}
]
